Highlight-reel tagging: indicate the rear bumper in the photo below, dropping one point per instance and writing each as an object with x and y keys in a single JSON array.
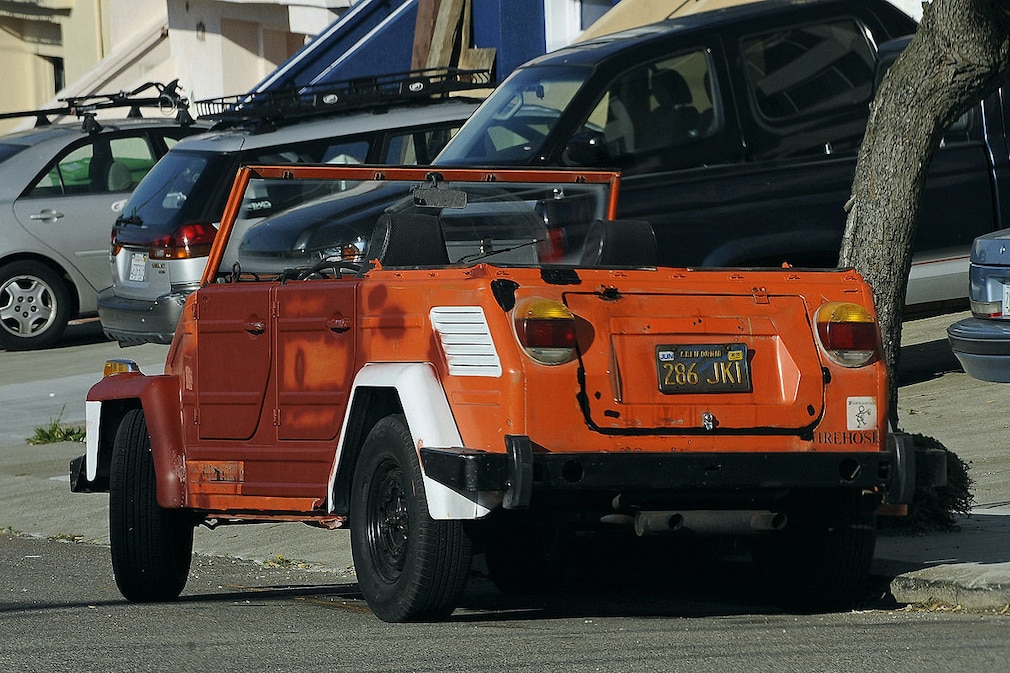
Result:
[
  {"x": 138, "y": 321},
  {"x": 982, "y": 347},
  {"x": 525, "y": 477}
]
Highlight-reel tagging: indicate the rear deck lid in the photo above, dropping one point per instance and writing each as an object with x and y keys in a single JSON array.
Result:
[{"x": 656, "y": 362}]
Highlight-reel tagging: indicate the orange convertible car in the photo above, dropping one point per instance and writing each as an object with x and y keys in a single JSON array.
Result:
[{"x": 474, "y": 361}]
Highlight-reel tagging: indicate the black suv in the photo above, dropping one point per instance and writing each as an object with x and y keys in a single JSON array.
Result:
[{"x": 736, "y": 131}]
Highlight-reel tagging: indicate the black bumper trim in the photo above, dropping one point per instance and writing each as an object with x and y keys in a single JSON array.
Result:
[{"x": 469, "y": 471}]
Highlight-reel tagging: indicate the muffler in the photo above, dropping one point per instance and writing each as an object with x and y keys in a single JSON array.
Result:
[{"x": 709, "y": 522}]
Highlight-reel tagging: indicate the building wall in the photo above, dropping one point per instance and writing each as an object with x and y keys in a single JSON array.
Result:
[
  {"x": 59, "y": 48},
  {"x": 224, "y": 47}
]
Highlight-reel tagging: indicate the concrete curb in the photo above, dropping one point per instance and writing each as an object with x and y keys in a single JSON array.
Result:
[{"x": 973, "y": 586}]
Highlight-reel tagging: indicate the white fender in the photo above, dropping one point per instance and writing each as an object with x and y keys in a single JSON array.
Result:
[
  {"x": 92, "y": 427},
  {"x": 431, "y": 424}
]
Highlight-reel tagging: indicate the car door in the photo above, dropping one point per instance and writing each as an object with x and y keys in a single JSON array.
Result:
[
  {"x": 72, "y": 204},
  {"x": 315, "y": 359},
  {"x": 233, "y": 336}
]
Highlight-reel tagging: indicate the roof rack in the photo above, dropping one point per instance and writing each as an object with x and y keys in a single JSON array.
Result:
[
  {"x": 344, "y": 95},
  {"x": 167, "y": 99}
]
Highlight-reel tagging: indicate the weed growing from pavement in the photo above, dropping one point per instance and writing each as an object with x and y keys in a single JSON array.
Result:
[
  {"x": 57, "y": 431},
  {"x": 936, "y": 509}
]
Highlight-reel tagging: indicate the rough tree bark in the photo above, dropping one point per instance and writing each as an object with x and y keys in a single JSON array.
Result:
[{"x": 960, "y": 54}]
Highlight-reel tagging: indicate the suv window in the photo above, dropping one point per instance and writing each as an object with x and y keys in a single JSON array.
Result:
[
  {"x": 809, "y": 69},
  {"x": 652, "y": 114},
  {"x": 416, "y": 147},
  {"x": 511, "y": 126},
  {"x": 809, "y": 87}
]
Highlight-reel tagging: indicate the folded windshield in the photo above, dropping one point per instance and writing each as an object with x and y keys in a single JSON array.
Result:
[{"x": 414, "y": 218}]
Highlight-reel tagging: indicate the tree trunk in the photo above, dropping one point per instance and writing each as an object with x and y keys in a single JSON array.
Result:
[{"x": 960, "y": 54}]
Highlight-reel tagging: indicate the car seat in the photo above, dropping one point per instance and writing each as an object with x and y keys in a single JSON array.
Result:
[
  {"x": 118, "y": 178},
  {"x": 674, "y": 119},
  {"x": 618, "y": 243},
  {"x": 408, "y": 239}
]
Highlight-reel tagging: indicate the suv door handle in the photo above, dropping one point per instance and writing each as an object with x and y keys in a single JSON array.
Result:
[
  {"x": 255, "y": 327},
  {"x": 46, "y": 215}
]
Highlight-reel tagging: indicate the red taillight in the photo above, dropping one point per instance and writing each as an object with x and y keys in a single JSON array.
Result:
[
  {"x": 546, "y": 330},
  {"x": 552, "y": 247},
  {"x": 189, "y": 240},
  {"x": 847, "y": 332}
]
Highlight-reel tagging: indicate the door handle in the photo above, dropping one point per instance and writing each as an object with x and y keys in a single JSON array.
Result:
[
  {"x": 255, "y": 327},
  {"x": 338, "y": 325},
  {"x": 46, "y": 215}
]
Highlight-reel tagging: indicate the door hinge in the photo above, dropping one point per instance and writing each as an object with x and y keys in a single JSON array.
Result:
[
  {"x": 277, "y": 417},
  {"x": 196, "y": 417}
]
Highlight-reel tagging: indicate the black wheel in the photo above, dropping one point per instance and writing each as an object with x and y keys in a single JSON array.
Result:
[
  {"x": 822, "y": 560},
  {"x": 410, "y": 567},
  {"x": 151, "y": 546},
  {"x": 527, "y": 560},
  {"x": 34, "y": 306}
]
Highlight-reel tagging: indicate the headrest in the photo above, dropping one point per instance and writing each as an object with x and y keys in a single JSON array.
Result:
[
  {"x": 670, "y": 88},
  {"x": 618, "y": 243},
  {"x": 408, "y": 239}
]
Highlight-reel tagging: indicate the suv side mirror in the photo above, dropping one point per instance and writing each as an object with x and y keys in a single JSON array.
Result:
[{"x": 587, "y": 148}]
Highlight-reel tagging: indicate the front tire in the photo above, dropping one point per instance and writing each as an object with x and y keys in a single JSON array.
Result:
[
  {"x": 34, "y": 306},
  {"x": 410, "y": 567},
  {"x": 151, "y": 546}
]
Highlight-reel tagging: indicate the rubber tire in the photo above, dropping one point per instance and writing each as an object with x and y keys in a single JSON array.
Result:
[
  {"x": 410, "y": 567},
  {"x": 49, "y": 284},
  {"x": 822, "y": 560},
  {"x": 152, "y": 547}
]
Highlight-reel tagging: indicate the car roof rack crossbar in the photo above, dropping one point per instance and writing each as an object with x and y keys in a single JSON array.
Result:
[
  {"x": 166, "y": 98},
  {"x": 341, "y": 96}
]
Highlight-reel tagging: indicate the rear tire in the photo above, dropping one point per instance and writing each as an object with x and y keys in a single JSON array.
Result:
[
  {"x": 410, "y": 567},
  {"x": 822, "y": 560},
  {"x": 151, "y": 546},
  {"x": 34, "y": 306}
]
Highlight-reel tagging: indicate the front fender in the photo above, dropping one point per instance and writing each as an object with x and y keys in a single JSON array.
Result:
[
  {"x": 158, "y": 396},
  {"x": 430, "y": 419}
]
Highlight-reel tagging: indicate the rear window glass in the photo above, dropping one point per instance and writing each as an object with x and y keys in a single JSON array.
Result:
[
  {"x": 182, "y": 187},
  {"x": 817, "y": 68}
]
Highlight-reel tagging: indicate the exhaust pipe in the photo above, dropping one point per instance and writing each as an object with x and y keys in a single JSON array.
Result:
[{"x": 709, "y": 522}]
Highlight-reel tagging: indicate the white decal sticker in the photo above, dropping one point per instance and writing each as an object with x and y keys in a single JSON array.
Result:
[{"x": 861, "y": 413}]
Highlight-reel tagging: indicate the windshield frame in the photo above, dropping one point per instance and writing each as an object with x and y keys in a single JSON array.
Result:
[{"x": 380, "y": 175}]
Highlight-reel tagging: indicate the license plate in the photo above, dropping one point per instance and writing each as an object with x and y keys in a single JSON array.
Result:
[
  {"x": 703, "y": 368},
  {"x": 138, "y": 267},
  {"x": 1006, "y": 299}
]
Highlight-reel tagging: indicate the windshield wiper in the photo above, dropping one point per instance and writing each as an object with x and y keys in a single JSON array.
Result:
[{"x": 472, "y": 257}]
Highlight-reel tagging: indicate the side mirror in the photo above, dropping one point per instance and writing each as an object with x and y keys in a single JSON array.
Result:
[{"x": 587, "y": 148}]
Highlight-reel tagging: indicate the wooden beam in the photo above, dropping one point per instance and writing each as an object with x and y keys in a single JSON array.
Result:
[{"x": 424, "y": 27}]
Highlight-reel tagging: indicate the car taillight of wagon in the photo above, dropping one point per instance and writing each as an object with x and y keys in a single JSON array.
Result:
[{"x": 189, "y": 240}]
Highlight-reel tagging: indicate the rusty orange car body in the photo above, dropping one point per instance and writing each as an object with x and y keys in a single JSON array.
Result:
[{"x": 503, "y": 365}]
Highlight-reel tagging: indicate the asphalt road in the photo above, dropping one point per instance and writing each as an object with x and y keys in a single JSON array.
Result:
[{"x": 60, "y": 612}]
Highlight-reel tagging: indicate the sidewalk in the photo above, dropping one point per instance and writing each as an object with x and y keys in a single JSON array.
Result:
[{"x": 969, "y": 568}]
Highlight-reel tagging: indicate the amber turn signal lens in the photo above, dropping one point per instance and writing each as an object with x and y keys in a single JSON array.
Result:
[
  {"x": 847, "y": 333},
  {"x": 546, "y": 330},
  {"x": 119, "y": 366}
]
